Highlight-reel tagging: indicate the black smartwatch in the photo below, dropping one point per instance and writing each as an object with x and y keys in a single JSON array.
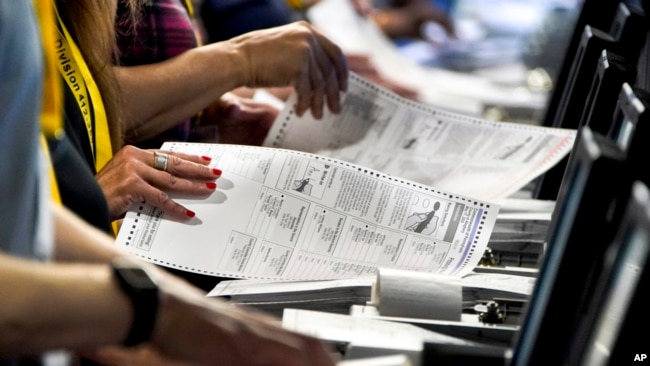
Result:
[{"x": 137, "y": 284}]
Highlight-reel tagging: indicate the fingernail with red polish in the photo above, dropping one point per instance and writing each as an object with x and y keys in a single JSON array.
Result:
[
  {"x": 216, "y": 171},
  {"x": 206, "y": 158},
  {"x": 211, "y": 185},
  {"x": 190, "y": 213}
]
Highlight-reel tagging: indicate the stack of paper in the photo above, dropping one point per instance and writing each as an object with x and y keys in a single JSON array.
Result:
[
  {"x": 335, "y": 296},
  {"x": 479, "y": 288},
  {"x": 365, "y": 337},
  {"x": 338, "y": 296},
  {"x": 520, "y": 232}
]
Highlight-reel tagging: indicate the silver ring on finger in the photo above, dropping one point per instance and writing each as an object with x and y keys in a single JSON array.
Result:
[{"x": 160, "y": 161}]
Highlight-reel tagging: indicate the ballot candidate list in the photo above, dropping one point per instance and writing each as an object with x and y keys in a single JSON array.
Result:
[
  {"x": 282, "y": 214},
  {"x": 475, "y": 157}
]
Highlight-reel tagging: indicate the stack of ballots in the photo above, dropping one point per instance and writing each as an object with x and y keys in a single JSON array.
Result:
[
  {"x": 519, "y": 233},
  {"x": 338, "y": 296}
]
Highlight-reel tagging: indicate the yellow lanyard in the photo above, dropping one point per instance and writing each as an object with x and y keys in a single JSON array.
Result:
[
  {"x": 52, "y": 100},
  {"x": 190, "y": 11},
  {"x": 76, "y": 74},
  {"x": 296, "y": 4},
  {"x": 54, "y": 186},
  {"x": 189, "y": 7}
]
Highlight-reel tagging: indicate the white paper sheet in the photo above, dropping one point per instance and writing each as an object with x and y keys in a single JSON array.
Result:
[
  {"x": 451, "y": 152},
  {"x": 363, "y": 331},
  {"x": 281, "y": 214}
]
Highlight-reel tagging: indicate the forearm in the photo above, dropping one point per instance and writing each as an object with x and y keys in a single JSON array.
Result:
[
  {"x": 158, "y": 96},
  {"x": 47, "y": 306},
  {"x": 78, "y": 241}
]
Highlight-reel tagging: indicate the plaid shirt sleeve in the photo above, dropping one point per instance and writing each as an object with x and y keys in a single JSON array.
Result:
[{"x": 164, "y": 29}]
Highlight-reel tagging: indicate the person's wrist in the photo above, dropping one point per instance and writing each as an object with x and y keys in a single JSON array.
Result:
[
  {"x": 138, "y": 285},
  {"x": 239, "y": 59}
]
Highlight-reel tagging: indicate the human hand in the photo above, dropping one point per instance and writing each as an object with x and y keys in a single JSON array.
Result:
[
  {"x": 362, "y": 7},
  {"x": 362, "y": 65},
  {"x": 192, "y": 329},
  {"x": 130, "y": 177},
  {"x": 297, "y": 55},
  {"x": 216, "y": 332},
  {"x": 237, "y": 120},
  {"x": 407, "y": 19}
]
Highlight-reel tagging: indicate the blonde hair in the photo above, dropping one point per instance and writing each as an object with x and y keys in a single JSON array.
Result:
[{"x": 92, "y": 25}]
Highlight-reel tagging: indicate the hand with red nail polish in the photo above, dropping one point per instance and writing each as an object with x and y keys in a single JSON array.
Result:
[{"x": 130, "y": 176}]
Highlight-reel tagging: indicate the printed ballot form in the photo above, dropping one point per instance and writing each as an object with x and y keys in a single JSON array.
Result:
[
  {"x": 289, "y": 215},
  {"x": 452, "y": 152}
]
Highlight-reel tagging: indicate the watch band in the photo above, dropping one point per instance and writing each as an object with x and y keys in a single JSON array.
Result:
[{"x": 137, "y": 284}]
